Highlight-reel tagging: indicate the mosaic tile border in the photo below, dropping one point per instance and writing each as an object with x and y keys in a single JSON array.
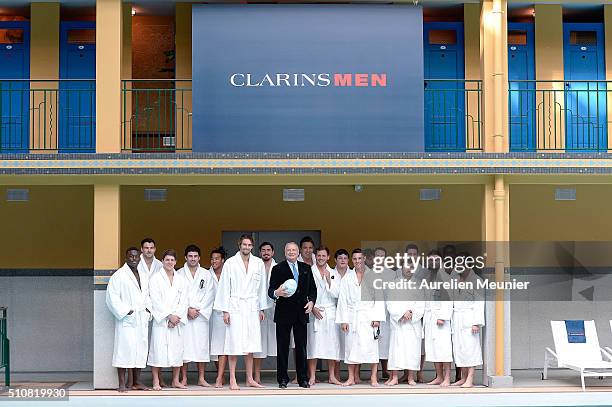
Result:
[
  {"x": 233, "y": 170},
  {"x": 314, "y": 163}
]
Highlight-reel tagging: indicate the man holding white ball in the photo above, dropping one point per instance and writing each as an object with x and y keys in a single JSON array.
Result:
[{"x": 295, "y": 295}]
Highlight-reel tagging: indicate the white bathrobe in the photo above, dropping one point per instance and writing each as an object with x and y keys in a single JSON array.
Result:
[
  {"x": 167, "y": 299},
  {"x": 468, "y": 310},
  {"x": 216, "y": 325},
  {"x": 242, "y": 294},
  {"x": 197, "y": 333},
  {"x": 324, "y": 334},
  {"x": 405, "y": 336},
  {"x": 123, "y": 295},
  {"x": 358, "y": 313},
  {"x": 155, "y": 266},
  {"x": 342, "y": 334},
  {"x": 438, "y": 345},
  {"x": 385, "y": 336},
  {"x": 268, "y": 327}
]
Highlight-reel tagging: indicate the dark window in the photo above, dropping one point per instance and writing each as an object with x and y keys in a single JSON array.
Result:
[
  {"x": 442, "y": 37},
  {"x": 82, "y": 36},
  {"x": 517, "y": 37},
  {"x": 8, "y": 36},
  {"x": 583, "y": 37}
]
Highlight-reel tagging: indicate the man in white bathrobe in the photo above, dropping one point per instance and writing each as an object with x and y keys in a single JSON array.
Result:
[
  {"x": 169, "y": 292},
  {"x": 437, "y": 319},
  {"x": 323, "y": 332},
  {"x": 383, "y": 339},
  {"x": 360, "y": 310},
  {"x": 197, "y": 330},
  {"x": 406, "y": 308},
  {"x": 268, "y": 327},
  {"x": 341, "y": 256},
  {"x": 468, "y": 320},
  {"x": 127, "y": 297},
  {"x": 242, "y": 297},
  {"x": 217, "y": 326},
  {"x": 148, "y": 263}
]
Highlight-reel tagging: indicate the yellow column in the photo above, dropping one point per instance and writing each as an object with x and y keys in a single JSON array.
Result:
[
  {"x": 108, "y": 76},
  {"x": 494, "y": 66},
  {"x": 106, "y": 227},
  {"x": 44, "y": 65},
  {"x": 496, "y": 234},
  {"x": 107, "y": 254},
  {"x": 126, "y": 73},
  {"x": 471, "y": 24},
  {"x": 550, "y": 123},
  {"x": 608, "y": 42},
  {"x": 183, "y": 71}
]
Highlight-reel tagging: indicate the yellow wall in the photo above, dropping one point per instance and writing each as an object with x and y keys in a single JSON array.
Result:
[
  {"x": 536, "y": 218},
  {"x": 345, "y": 218},
  {"x": 53, "y": 230}
]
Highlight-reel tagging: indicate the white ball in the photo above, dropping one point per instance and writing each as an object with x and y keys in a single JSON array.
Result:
[{"x": 290, "y": 286}]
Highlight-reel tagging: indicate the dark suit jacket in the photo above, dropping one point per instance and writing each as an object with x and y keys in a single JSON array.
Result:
[{"x": 291, "y": 309}]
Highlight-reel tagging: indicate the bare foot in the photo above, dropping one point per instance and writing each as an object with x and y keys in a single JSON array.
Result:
[
  {"x": 358, "y": 380},
  {"x": 467, "y": 385},
  {"x": 184, "y": 383},
  {"x": 374, "y": 383},
  {"x": 162, "y": 384},
  {"x": 219, "y": 383},
  {"x": 392, "y": 382},
  {"x": 179, "y": 385},
  {"x": 234, "y": 385},
  {"x": 411, "y": 382},
  {"x": 333, "y": 380},
  {"x": 348, "y": 383},
  {"x": 435, "y": 381},
  {"x": 312, "y": 381},
  {"x": 294, "y": 381},
  {"x": 458, "y": 383},
  {"x": 140, "y": 386},
  {"x": 157, "y": 388},
  {"x": 203, "y": 383},
  {"x": 445, "y": 383},
  {"x": 253, "y": 383},
  {"x": 122, "y": 389}
]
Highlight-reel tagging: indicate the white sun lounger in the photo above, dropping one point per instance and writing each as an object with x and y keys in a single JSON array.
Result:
[{"x": 588, "y": 358}]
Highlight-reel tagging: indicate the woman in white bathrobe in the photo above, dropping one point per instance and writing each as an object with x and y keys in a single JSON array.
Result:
[
  {"x": 169, "y": 298},
  {"x": 468, "y": 320}
]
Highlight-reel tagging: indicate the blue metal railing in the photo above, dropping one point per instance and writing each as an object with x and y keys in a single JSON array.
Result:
[
  {"x": 453, "y": 115},
  {"x": 47, "y": 115},
  {"x": 561, "y": 116}
]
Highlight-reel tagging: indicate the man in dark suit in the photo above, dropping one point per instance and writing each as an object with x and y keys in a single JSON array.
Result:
[{"x": 291, "y": 313}]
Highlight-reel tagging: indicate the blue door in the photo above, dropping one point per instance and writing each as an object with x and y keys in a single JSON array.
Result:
[
  {"x": 444, "y": 87},
  {"x": 14, "y": 94},
  {"x": 521, "y": 67},
  {"x": 585, "y": 100},
  {"x": 77, "y": 98}
]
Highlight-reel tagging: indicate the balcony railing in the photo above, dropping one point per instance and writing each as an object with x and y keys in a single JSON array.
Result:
[
  {"x": 47, "y": 115},
  {"x": 453, "y": 115},
  {"x": 156, "y": 115},
  {"x": 559, "y": 116}
]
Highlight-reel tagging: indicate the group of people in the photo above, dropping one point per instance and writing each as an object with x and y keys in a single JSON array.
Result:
[{"x": 244, "y": 306}]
